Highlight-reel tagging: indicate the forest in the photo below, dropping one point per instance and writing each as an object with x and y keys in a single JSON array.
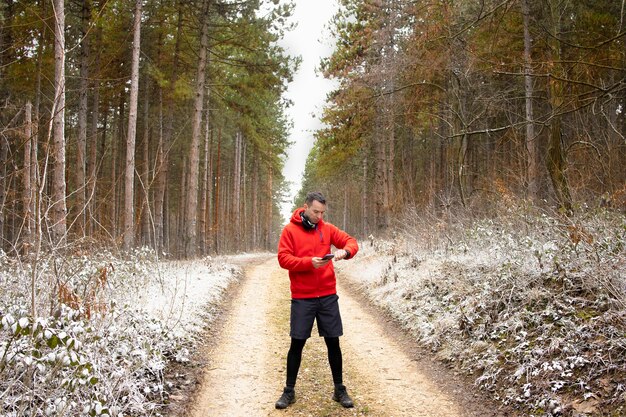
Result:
[
  {"x": 162, "y": 124},
  {"x": 455, "y": 106},
  {"x": 475, "y": 148},
  {"x": 155, "y": 123}
]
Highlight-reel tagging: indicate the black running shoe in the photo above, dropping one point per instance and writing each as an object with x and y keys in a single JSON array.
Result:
[
  {"x": 342, "y": 397},
  {"x": 288, "y": 397}
]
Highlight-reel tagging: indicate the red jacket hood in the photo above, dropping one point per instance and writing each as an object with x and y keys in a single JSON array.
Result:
[{"x": 296, "y": 217}]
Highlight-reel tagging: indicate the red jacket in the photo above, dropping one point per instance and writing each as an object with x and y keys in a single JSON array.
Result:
[{"x": 298, "y": 245}]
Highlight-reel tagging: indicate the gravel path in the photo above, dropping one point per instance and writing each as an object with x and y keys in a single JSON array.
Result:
[{"x": 245, "y": 371}]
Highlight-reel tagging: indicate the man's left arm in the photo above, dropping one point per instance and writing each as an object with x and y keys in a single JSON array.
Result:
[{"x": 347, "y": 245}]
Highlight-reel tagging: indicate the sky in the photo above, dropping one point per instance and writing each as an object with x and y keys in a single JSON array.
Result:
[{"x": 311, "y": 40}]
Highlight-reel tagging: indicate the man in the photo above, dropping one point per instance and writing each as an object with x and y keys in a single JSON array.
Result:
[{"x": 303, "y": 244}]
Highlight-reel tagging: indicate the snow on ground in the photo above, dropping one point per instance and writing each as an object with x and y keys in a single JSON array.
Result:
[
  {"x": 182, "y": 294},
  {"x": 183, "y": 290}
]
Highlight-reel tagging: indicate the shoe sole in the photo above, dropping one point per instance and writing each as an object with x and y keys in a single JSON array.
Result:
[{"x": 344, "y": 406}]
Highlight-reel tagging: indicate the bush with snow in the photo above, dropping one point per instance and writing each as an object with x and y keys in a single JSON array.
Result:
[
  {"x": 533, "y": 306},
  {"x": 104, "y": 332}
]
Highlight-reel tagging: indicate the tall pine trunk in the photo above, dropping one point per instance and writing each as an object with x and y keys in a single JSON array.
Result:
[
  {"x": 58, "y": 207},
  {"x": 81, "y": 148},
  {"x": 206, "y": 181},
  {"x": 145, "y": 169},
  {"x": 129, "y": 177},
  {"x": 236, "y": 207},
  {"x": 115, "y": 151},
  {"x": 92, "y": 165},
  {"x": 216, "y": 205},
  {"x": 191, "y": 208},
  {"x": 165, "y": 138},
  {"x": 254, "y": 209}
]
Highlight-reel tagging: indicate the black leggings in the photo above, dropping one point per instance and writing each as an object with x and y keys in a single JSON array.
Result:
[{"x": 294, "y": 358}]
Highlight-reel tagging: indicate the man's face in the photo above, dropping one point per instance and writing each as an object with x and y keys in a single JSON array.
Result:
[{"x": 315, "y": 212}]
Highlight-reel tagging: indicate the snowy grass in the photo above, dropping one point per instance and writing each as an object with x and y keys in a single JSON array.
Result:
[
  {"x": 533, "y": 306},
  {"x": 105, "y": 330}
]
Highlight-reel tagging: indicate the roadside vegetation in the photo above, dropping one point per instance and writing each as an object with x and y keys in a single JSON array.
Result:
[
  {"x": 106, "y": 329},
  {"x": 532, "y": 305}
]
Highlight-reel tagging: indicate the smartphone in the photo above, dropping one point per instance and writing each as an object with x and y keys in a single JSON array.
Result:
[{"x": 329, "y": 256}]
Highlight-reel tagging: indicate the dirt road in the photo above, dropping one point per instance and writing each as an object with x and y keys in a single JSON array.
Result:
[{"x": 245, "y": 374}]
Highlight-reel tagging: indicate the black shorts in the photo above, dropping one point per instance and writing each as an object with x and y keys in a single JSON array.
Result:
[{"x": 304, "y": 311}]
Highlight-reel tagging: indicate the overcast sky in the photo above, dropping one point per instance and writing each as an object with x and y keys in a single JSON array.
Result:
[{"x": 311, "y": 40}]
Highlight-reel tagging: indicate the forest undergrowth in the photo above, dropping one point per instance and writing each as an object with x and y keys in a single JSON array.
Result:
[
  {"x": 531, "y": 305},
  {"x": 105, "y": 330}
]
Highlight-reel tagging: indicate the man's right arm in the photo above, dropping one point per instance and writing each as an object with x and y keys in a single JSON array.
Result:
[{"x": 286, "y": 257}]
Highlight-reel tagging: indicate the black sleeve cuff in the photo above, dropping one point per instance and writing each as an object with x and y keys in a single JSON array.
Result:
[{"x": 348, "y": 254}]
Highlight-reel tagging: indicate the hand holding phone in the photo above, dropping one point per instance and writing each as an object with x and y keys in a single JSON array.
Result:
[{"x": 328, "y": 256}]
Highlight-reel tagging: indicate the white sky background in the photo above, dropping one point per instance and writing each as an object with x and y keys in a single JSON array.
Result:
[{"x": 311, "y": 40}]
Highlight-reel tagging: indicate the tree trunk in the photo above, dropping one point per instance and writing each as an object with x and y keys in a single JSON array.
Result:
[
  {"x": 216, "y": 206},
  {"x": 192, "y": 186},
  {"x": 382, "y": 195},
  {"x": 531, "y": 144},
  {"x": 236, "y": 207},
  {"x": 58, "y": 208},
  {"x": 165, "y": 139},
  {"x": 243, "y": 226},
  {"x": 159, "y": 180},
  {"x": 391, "y": 145},
  {"x": 206, "y": 186},
  {"x": 556, "y": 161},
  {"x": 92, "y": 165},
  {"x": 4, "y": 151},
  {"x": 129, "y": 178},
  {"x": 34, "y": 170},
  {"x": 462, "y": 174},
  {"x": 101, "y": 200},
  {"x": 180, "y": 213},
  {"x": 81, "y": 148},
  {"x": 28, "y": 191},
  {"x": 145, "y": 170},
  {"x": 114, "y": 158},
  {"x": 254, "y": 209},
  {"x": 270, "y": 208},
  {"x": 364, "y": 200}
]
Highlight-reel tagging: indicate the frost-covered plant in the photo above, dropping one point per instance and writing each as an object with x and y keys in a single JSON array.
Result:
[
  {"x": 91, "y": 350},
  {"x": 532, "y": 304}
]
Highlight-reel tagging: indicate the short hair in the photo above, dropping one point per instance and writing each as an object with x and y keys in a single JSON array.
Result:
[{"x": 315, "y": 196}]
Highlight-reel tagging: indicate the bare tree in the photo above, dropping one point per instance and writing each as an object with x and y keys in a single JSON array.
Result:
[
  {"x": 129, "y": 179},
  {"x": 58, "y": 207},
  {"x": 28, "y": 192}
]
